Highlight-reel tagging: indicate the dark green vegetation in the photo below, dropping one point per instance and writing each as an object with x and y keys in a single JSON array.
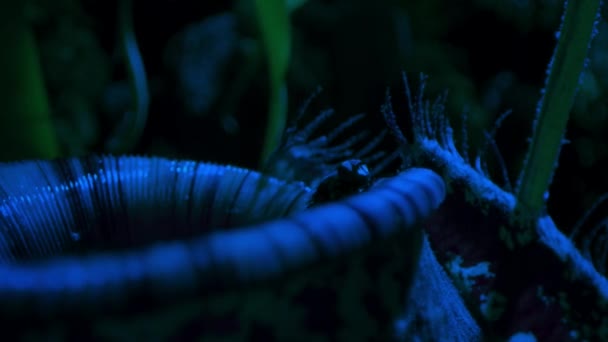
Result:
[{"x": 220, "y": 81}]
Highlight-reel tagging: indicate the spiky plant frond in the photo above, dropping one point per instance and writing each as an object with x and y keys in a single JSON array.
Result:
[
  {"x": 433, "y": 145},
  {"x": 433, "y": 140},
  {"x": 309, "y": 156}
]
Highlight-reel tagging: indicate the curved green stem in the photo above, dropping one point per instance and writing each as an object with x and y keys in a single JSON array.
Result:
[{"x": 129, "y": 131}]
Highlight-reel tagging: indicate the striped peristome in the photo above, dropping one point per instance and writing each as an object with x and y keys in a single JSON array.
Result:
[
  {"x": 48, "y": 208},
  {"x": 84, "y": 238}
]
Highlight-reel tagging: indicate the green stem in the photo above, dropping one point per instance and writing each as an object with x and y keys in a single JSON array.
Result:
[
  {"x": 273, "y": 23},
  {"x": 554, "y": 107}
]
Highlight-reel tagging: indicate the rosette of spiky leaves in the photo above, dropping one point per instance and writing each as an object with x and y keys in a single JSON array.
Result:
[
  {"x": 433, "y": 142},
  {"x": 307, "y": 155}
]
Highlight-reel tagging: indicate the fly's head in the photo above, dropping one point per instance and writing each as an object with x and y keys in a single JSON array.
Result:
[{"x": 350, "y": 177}]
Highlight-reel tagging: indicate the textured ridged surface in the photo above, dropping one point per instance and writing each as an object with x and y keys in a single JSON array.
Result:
[
  {"x": 53, "y": 208},
  {"x": 168, "y": 199}
]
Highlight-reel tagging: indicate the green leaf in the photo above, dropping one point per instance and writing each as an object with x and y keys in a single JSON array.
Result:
[{"x": 26, "y": 128}]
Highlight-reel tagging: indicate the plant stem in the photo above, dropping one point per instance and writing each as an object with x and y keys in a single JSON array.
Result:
[
  {"x": 576, "y": 32},
  {"x": 273, "y": 22}
]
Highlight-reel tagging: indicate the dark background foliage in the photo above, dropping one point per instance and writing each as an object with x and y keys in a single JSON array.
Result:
[{"x": 209, "y": 96}]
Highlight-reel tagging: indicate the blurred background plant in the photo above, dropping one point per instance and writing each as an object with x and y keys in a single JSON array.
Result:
[{"x": 223, "y": 78}]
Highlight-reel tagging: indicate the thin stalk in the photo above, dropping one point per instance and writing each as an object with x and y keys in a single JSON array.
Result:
[{"x": 576, "y": 32}]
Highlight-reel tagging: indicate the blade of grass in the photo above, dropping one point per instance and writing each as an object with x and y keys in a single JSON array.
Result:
[
  {"x": 273, "y": 23},
  {"x": 26, "y": 128}
]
